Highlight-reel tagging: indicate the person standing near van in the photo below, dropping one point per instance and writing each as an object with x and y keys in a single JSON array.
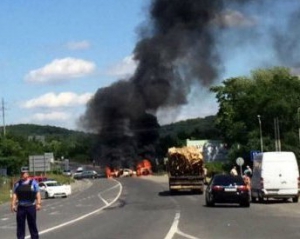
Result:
[
  {"x": 26, "y": 200},
  {"x": 248, "y": 171},
  {"x": 233, "y": 171}
]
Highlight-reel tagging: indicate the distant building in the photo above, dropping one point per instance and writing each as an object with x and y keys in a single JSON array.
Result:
[
  {"x": 39, "y": 138},
  {"x": 212, "y": 150}
]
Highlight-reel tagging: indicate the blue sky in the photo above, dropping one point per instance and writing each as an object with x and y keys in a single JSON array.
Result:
[{"x": 55, "y": 54}]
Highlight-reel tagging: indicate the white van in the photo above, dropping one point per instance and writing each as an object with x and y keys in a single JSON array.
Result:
[{"x": 275, "y": 175}]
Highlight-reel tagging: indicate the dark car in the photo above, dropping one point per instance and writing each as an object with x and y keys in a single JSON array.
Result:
[
  {"x": 87, "y": 174},
  {"x": 224, "y": 188}
]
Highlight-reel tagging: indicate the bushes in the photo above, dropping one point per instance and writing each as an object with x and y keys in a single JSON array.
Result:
[{"x": 215, "y": 167}]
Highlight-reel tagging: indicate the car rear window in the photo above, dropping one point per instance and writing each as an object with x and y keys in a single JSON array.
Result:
[{"x": 227, "y": 180}]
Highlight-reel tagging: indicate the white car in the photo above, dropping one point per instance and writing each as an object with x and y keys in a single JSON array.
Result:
[
  {"x": 52, "y": 188},
  {"x": 126, "y": 172},
  {"x": 67, "y": 172}
]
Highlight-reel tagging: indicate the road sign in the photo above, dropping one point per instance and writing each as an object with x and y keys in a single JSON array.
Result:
[
  {"x": 39, "y": 163},
  {"x": 240, "y": 161}
]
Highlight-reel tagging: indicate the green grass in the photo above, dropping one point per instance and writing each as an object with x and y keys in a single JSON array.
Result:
[
  {"x": 6, "y": 184},
  {"x": 5, "y": 188}
]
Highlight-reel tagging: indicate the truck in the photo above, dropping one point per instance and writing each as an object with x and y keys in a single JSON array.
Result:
[
  {"x": 275, "y": 175},
  {"x": 185, "y": 167}
]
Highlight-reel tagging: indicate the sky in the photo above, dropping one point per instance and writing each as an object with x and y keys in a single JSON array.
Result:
[{"x": 56, "y": 54}]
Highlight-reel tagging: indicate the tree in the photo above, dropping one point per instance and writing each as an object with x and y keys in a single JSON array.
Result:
[{"x": 271, "y": 93}]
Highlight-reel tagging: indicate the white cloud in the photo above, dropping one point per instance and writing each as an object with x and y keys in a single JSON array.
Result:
[
  {"x": 80, "y": 45},
  {"x": 61, "y": 69},
  {"x": 123, "y": 69},
  {"x": 52, "y": 100},
  {"x": 52, "y": 116},
  {"x": 231, "y": 18}
]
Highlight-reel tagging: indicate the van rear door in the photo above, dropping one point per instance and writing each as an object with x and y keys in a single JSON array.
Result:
[{"x": 280, "y": 177}]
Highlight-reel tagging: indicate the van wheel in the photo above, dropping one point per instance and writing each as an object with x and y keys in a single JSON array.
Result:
[
  {"x": 260, "y": 198},
  {"x": 253, "y": 199},
  {"x": 295, "y": 199}
]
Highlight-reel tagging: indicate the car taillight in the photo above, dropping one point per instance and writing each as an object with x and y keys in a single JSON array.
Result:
[
  {"x": 261, "y": 182},
  {"x": 217, "y": 188},
  {"x": 243, "y": 188}
]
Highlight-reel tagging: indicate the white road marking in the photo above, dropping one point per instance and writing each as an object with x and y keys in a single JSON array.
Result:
[
  {"x": 186, "y": 235},
  {"x": 106, "y": 190},
  {"x": 174, "y": 229},
  {"x": 84, "y": 216}
]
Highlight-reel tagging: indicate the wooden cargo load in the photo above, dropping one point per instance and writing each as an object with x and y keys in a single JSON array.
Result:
[{"x": 185, "y": 161}]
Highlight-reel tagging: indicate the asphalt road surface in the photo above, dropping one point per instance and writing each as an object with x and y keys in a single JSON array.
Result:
[{"x": 142, "y": 208}]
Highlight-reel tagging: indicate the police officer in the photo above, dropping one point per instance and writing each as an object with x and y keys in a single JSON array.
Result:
[{"x": 26, "y": 200}]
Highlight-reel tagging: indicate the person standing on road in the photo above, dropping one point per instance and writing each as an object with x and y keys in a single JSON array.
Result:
[
  {"x": 233, "y": 171},
  {"x": 248, "y": 171},
  {"x": 26, "y": 200}
]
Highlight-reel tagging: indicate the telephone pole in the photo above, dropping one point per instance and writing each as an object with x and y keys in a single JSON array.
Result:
[{"x": 3, "y": 117}]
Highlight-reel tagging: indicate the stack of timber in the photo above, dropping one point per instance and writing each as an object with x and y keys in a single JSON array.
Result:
[{"x": 185, "y": 161}]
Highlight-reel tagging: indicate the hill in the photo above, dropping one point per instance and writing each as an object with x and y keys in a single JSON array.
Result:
[
  {"x": 200, "y": 128},
  {"x": 32, "y": 129},
  {"x": 191, "y": 128}
]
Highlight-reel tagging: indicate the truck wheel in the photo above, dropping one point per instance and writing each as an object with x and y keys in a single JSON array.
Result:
[
  {"x": 198, "y": 191},
  {"x": 295, "y": 199}
]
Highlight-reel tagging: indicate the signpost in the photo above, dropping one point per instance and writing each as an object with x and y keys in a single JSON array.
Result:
[
  {"x": 39, "y": 163},
  {"x": 240, "y": 161}
]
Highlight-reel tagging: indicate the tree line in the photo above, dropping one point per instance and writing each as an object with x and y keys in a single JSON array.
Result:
[{"x": 254, "y": 113}]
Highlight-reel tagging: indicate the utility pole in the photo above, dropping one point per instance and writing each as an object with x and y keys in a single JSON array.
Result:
[
  {"x": 3, "y": 117},
  {"x": 260, "y": 131},
  {"x": 277, "y": 134}
]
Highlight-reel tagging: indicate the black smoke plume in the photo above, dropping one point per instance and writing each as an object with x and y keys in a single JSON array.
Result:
[{"x": 176, "y": 50}]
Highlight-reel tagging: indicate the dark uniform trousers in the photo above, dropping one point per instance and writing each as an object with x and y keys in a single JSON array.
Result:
[{"x": 28, "y": 212}]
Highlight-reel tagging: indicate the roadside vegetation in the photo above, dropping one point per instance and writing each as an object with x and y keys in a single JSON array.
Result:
[
  {"x": 250, "y": 109},
  {"x": 6, "y": 184}
]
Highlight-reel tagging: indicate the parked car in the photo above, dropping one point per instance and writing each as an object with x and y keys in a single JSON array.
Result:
[
  {"x": 67, "y": 172},
  {"x": 53, "y": 188},
  {"x": 126, "y": 172},
  {"x": 224, "y": 188},
  {"x": 78, "y": 172},
  {"x": 87, "y": 174}
]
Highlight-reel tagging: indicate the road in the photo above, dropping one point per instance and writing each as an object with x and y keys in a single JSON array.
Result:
[{"x": 141, "y": 208}]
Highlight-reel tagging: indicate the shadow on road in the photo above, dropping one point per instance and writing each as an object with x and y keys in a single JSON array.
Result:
[{"x": 167, "y": 193}]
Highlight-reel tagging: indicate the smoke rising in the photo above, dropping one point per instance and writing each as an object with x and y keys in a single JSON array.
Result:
[{"x": 178, "y": 48}]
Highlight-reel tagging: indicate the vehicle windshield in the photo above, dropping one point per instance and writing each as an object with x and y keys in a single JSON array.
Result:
[
  {"x": 53, "y": 184},
  {"x": 228, "y": 180}
]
